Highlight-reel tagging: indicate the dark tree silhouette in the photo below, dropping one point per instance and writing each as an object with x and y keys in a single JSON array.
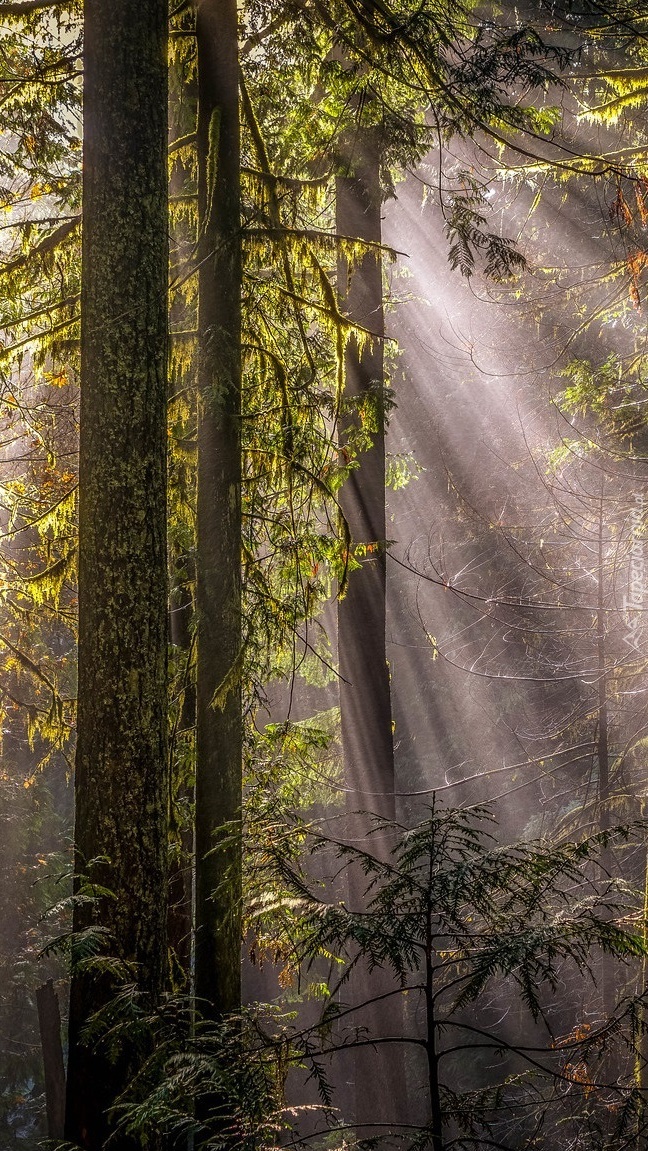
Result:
[{"x": 218, "y": 602}]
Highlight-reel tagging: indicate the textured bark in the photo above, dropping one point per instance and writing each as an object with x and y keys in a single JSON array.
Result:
[
  {"x": 219, "y": 725},
  {"x": 365, "y": 699},
  {"x": 121, "y": 761}
]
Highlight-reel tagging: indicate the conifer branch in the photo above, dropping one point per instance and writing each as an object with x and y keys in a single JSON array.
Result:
[
  {"x": 258, "y": 38},
  {"x": 182, "y": 142},
  {"x": 273, "y": 205},
  {"x": 47, "y": 244},
  {"x": 30, "y": 666},
  {"x": 46, "y": 310}
]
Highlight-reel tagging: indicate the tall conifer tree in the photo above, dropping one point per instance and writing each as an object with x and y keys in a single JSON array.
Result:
[
  {"x": 218, "y": 591},
  {"x": 121, "y": 761},
  {"x": 365, "y": 699}
]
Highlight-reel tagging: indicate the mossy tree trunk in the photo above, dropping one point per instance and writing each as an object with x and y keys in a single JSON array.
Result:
[
  {"x": 219, "y": 723},
  {"x": 121, "y": 759}
]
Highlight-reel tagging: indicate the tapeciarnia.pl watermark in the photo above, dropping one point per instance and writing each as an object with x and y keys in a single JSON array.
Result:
[{"x": 633, "y": 602}]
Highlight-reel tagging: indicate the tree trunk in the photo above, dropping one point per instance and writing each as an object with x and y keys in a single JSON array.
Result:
[
  {"x": 121, "y": 760},
  {"x": 365, "y": 695},
  {"x": 365, "y": 700},
  {"x": 431, "y": 1036},
  {"x": 219, "y": 724},
  {"x": 49, "y": 1023}
]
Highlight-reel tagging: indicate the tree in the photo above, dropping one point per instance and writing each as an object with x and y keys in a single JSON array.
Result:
[
  {"x": 293, "y": 372},
  {"x": 365, "y": 703},
  {"x": 121, "y": 784},
  {"x": 381, "y": 67},
  {"x": 480, "y": 936},
  {"x": 219, "y": 535},
  {"x": 39, "y": 190}
]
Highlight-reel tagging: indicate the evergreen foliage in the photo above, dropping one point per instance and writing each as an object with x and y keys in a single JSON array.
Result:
[
  {"x": 482, "y": 935},
  {"x": 416, "y": 76}
]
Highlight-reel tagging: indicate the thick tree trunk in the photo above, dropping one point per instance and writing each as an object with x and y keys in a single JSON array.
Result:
[
  {"x": 219, "y": 724},
  {"x": 365, "y": 700},
  {"x": 121, "y": 760}
]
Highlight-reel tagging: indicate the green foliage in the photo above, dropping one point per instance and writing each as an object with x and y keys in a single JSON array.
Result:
[
  {"x": 401, "y": 470},
  {"x": 517, "y": 911},
  {"x": 480, "y": 934},
  {"x": 614, "y": 395},
  {"x": 315, "y": 76},
  {"x": 465, "y": 229},
  {"x": 483, "y": 937},
  {"x": 39, "y": 195},
  {"x": 39, "y": 321},
  {"x": 33, "y": 874},
  {"x": 222, "y": 1085}
]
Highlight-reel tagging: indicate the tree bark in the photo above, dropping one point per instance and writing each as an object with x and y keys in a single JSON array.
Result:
[
  {"x": 219, "y": 722},
  {"x": 121, "y": 760},
  {"x": 365, "y": 699},
  {"x": 365, "y": 694}
]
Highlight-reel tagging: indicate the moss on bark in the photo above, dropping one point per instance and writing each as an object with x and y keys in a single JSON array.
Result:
[
  {"x": 218, "y": 590},
  {"x": 121, "y": 759}
]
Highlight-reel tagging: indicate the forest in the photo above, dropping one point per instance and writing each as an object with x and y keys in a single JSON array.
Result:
[{"x": 323, "y": 575}]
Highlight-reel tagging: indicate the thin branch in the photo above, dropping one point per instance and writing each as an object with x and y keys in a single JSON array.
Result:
[{"x": 25, "y": 7}]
